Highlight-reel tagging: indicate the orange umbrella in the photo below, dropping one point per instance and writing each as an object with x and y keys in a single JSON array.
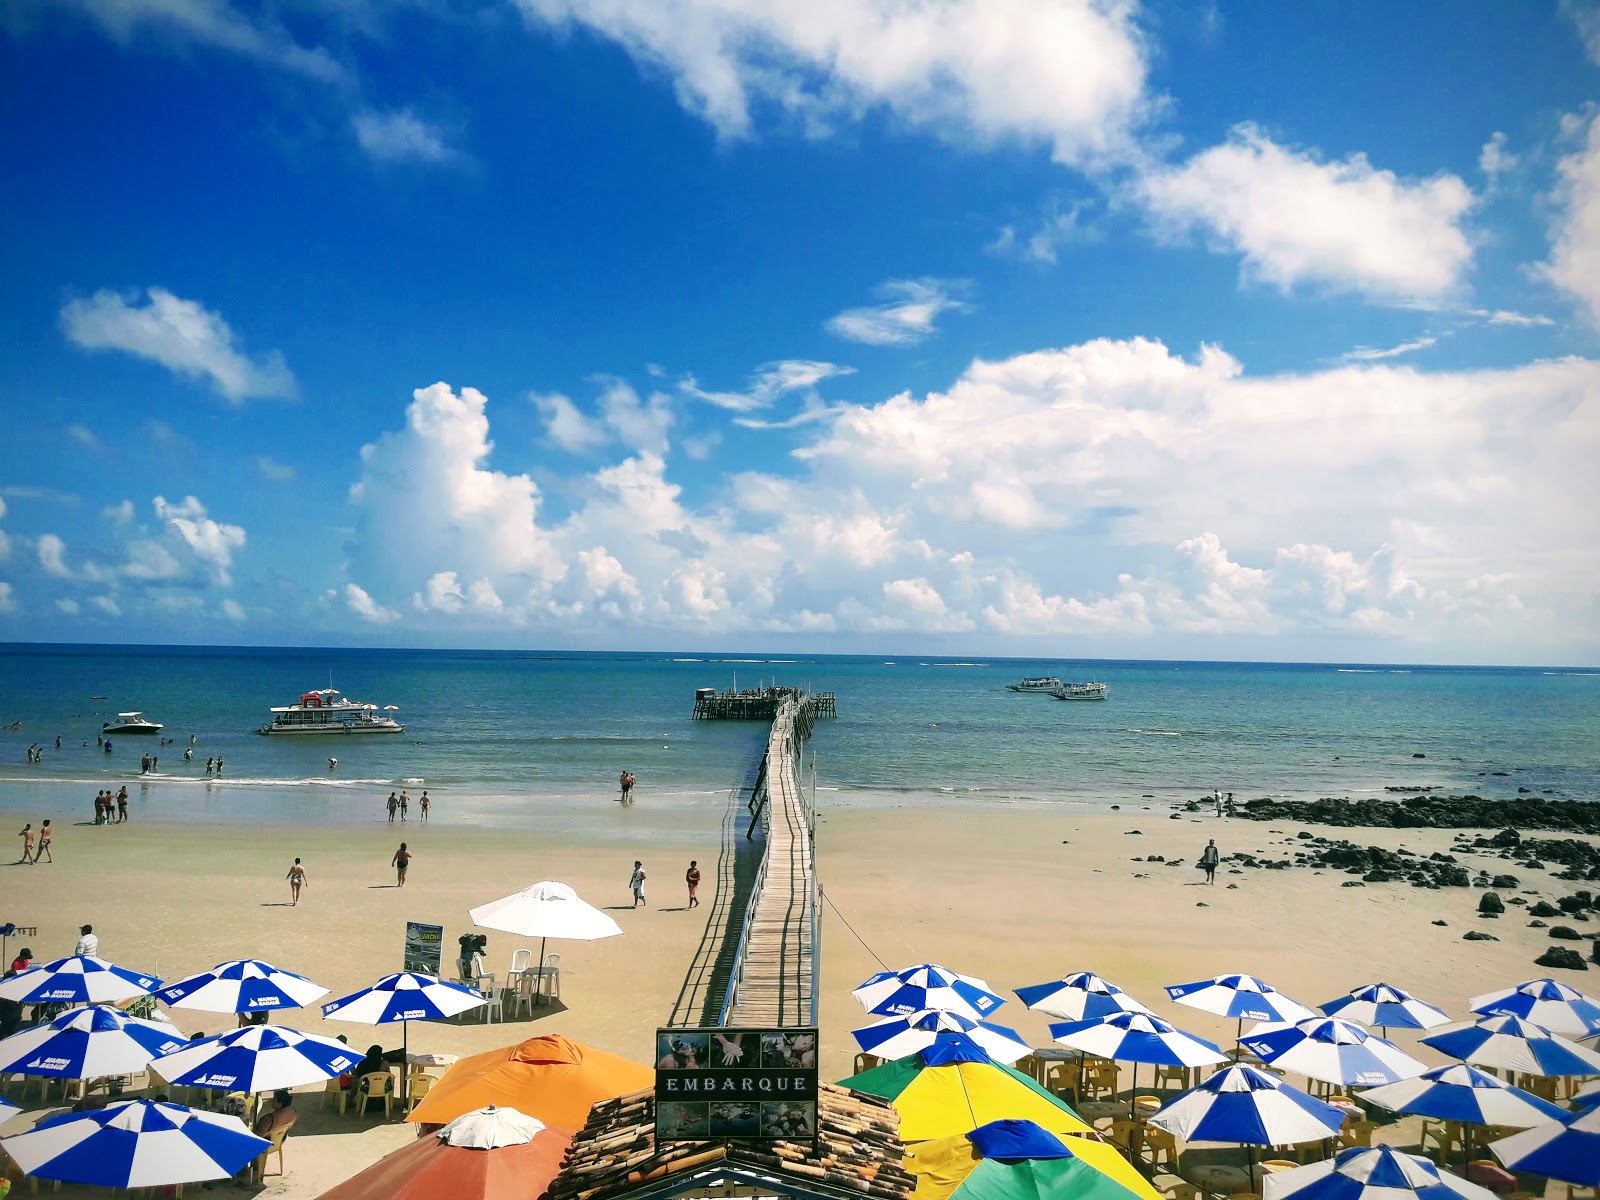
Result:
[
  {"x": 432, "y": 1169},
  {"x": 548, "y": 1077}
]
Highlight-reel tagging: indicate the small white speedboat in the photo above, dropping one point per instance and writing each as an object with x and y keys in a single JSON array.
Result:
[{"x": 130, "y": 722}]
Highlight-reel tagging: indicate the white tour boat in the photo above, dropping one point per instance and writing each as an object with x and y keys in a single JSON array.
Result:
[
  {"x": 130, "y": 723},
  {"x": 1081, "y": 691},
  {"x": 326, "y": 711},
  {"x": 1037, "y": 683}
]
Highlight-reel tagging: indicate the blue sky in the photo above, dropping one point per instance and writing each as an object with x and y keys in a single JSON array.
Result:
[{"x": 1059, "y": 328}]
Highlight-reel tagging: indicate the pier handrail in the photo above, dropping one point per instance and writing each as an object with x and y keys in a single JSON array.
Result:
[{"x": 736, "y": 972}]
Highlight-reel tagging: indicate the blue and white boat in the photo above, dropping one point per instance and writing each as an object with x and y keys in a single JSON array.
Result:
[{"x": 1036, "y": 683}]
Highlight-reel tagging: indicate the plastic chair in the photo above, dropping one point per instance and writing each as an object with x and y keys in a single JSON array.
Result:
[
  {"x": 258, "y": 1168},
  {"x": 1175, "y": 1188},
  {"x": 549, "y": 975},
  {"x": 1173, "y": 1075},
  {"x": 418, "y": 1084},
  {"x": 491, "y": 995},
  {"x": 1159, "y": 1148},
  {"x": 1100, "y": 1076},
  {"x": 1358, "y": 1133},
  {"x": 1029, "y": 1066},
  {"x": 520, "y": 959},
  {"x": 375, "y": 1085},
  {"x": 334, "y": 1096},
  {"x": 522, "y": 992},
  {"x": 1065, "y": 1077},
  {"x": 864, "y": 1062}
]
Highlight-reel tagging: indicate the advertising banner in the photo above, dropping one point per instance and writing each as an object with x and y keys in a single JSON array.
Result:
[
  {"x": 424, "y": 947},
  {"x": 736, "y": 1085}
]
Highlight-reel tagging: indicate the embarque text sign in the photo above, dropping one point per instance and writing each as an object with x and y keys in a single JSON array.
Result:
[{"x": 736, "y": 1084}]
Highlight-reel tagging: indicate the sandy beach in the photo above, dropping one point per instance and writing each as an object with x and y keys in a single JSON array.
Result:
[{"x": 1014, "y": 894}]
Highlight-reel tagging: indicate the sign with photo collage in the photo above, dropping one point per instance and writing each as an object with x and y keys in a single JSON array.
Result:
[{"x": 747, "y": 1085}]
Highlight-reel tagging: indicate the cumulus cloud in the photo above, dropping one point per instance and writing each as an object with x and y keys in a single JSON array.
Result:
[
  {"x": 566, "y": 426},
  {"x": 118, "y": 514},
  {"x": 277, "y": 472},
  {"x": 107, "y": 605},
  {"x": 402, "y": 136},
  {"x": 211, "y": 541},
  {"x": 1069, "y": 75},
  {"x": 1585, "y": 16},
  {"x": 181, "y": 335},
  {"x": 53, "y": 556},
  {"x": 1575, "y": 236},
  {"x": 8, "y": 602},
  {"x": 364, "y": 606},
  {"x": 66, "y": 607},
  {"x": 1494, "y": 160},
  {"x": 906, "y": 315},
  {"x": 232, "y": 609},
  {"x": 1297, "y": 220},
  {"x": 1059, "y": 228}
]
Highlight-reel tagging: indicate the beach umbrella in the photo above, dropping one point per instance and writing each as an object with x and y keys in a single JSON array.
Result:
[
  {"x": 1567, "y": 1149},
  {"x": 1242, "y": 997},
  {"x": 86, "y": 1043},
  {"x": 1136, "y": 1038},
  {"x": 7, "y": 1110},
  {"x": 1371, "y": 1173},
  {"x": 1546, "y": 1002},
  {"x": 257, "y": 1058},
  {"x": 549, "y": 1077},
  {"x": 953, "y": 1087},
  {"x": 1588, "y": 1097},
  {"x": 546, "y": 910},
  {"x": 1243, "y": 1105},
  {"x": 77, "y": 979},
  {"x": 898, "y": 1036},
  {"x": 1386, "y": 1006},
  {"x": 1513, "y": 1044},
  {"x": 404, "y": 996},
  {"x": 1017, "y": 1160},
  {"x": 925, "y": 986},
  {"x": 136, "y": 1143},
  {"x": 488, "y": 1154},
  {"x": 1461, "y": 1093},
  {"x": 1081, "y": 996},
  {"x": 242, "y": 985},
  {"x": 1332, "y": 1050}
]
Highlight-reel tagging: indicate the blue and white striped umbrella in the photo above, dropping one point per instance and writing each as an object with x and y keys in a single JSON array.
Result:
[
  {"x": 1387, "y": 1007},
  {"x": 900, "y": 1035},
  {"x": 1513, "y": 1044},
  {"x": 1081, "y": 996},
  {"x": 1567, "y": 1149},
  {"x": 1249, "y": 1107},
  {"x": 1332, "y": 1050},
  {"x": 925, "y": 986},
  {"x": 1371, "y": 1173},
  {"x": 403, "y": 996},
  {"x": 86, "y": 1043},
  {"x": 137, "y": 1143},
  {"x": 78, "y": 979},
  {"x": 1137, "y": 1038},
  {"x": 1243, "y": 997},
  {"x": 1588, "y": 1097},
  {"x": 258, "y": 1058},
  {"x": 7, "y": 1110},
  {"x": 1461, "y": 1093},
  {"x": 1547, "y": 1002},
  {"x": 242, "y": 985}
]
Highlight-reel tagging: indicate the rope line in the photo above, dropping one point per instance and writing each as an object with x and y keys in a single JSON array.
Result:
[{"x": 828, "y": 900}]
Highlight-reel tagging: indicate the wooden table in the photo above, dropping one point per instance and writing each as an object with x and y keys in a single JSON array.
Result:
[{"x": 1225, "y": 1180}]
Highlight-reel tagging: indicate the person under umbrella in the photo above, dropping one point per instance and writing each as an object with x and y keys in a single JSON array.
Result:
[
  {"x": 1371, "y": 1173},
  {"x": 1081, "y": 996},
  {"x": 1547, "y": 1003},
  {"x": 1460, "y": 1093},
  {"x": 925, "y": 986},
  {"x": 1513, "y": 1044},
  {"x": 1137, "y": 1038},
  {"x": 1567, "y": 1149},
  {"x": 242, "y": 985},
  {"x": 546, "y": 910},
  {"x": 1333, "y": 1051},
  {"x": 136, "y": 1143},
  {"x": 1242, "y": 997},
  {"x": 1384, "y": 1005},
  {"x": 404, "y": 996},
  {"x": 898, "y": 1036}
]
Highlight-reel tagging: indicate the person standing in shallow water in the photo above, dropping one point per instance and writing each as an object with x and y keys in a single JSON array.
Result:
[
  {"x": 400, "y": 861},
  {"x": 1209, "y": 858},
  {"x": 297, "y": 880},
  {"x": 394, "y": 806},
  {"x": 423, "y": 805}
]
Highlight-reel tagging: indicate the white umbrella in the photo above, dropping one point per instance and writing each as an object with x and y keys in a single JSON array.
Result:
[
  {"x": 546, "y": 910},
  {"x": 490, "y": 1128},
  {"x": 924, "y": 986},
  {"x": 1567, "y": 1149},
  {"x": 1371, "y": 1173}
]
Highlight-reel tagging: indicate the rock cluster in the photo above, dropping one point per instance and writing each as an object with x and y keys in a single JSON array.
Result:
[{"x": 1428, "y": 811}]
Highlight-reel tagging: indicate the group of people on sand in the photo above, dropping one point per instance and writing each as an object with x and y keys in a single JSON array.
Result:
[
  {"x": 402, "y": 804},
  {"x": 111, "y": 808},
  {"x": 31, "y": 855},
  {"x": 691, "y": 877},
  {"x": 298, "y": 880}
]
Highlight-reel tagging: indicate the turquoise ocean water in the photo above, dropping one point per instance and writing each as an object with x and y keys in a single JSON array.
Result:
[{"x": 516, "y": 737}]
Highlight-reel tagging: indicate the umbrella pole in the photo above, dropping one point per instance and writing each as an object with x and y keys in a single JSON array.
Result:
[
  {"x": 539, "y": 977},
  {"x": 405, "y": 1065}
]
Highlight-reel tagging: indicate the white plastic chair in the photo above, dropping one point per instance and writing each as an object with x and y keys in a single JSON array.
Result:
[
  {"x": 491, "y": 994},
  {"x": 520, "y": 959},
  {"x": 549, "y": 976},
  {"x": 522, "y": 992}
]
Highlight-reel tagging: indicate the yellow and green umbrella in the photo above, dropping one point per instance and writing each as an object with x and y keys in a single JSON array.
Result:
[
  {"x": 1016, "y": 1160},
  {"x": 952, "y": 1088}
]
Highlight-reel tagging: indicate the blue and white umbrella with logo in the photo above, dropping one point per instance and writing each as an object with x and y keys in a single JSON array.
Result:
[
  {"x": 1461, "y": 1093},
  {"x": 1568, "y": 1149},
  {"x": 1545, "y": 1002},
  {"x": 86, "y": 1043},
  {"x": 77, "y": 979},
  {"x": 1081, "y": 996},
  {"x": 137, "y": 1143},
  {"x": 1371, "y": 1173},
  {"x": 1242, "y": 997},
  {"x": 243, "y": 985},
  {"x": 925, "y": 986},
  {"x": 405, "y": 996},
  {"x": 1137, "y": 1037},
  {"x": 1243, "y": 1105},
  {"x": 259, "y": 1058},
  {"x": 900, "y": 1035},
  {"x": 1334, "y": 1051},
  {"x": 1386, "y": 1006},
  {"x": 1513, "y": 1044}
]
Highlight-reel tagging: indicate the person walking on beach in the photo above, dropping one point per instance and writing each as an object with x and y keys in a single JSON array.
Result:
[
  {"x": 1209, "y": 858},
  {"x": 394, "y": 806},
  {"x": 405, "y": 803},
  {"x": 636, "y": 884},
  {"x": 43, "y": 853},
  {"x": 400, "y": 861},
  {"x": 424, "y": 805},
  {"x": 27, "y": 843},
  {"x": 692, "y": 878},
  {"x": 297, "y": 880}
]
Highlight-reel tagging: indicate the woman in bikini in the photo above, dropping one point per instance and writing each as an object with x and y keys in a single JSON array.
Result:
[
  {"x": 297, "y": 880},
  {"x": 400, "y": 861},
  {"x": 27, "y": 842},
  {"x": 45, "y": 834}
]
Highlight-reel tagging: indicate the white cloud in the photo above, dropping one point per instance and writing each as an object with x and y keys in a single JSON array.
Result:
[
  {"x": 151, "y": 560},
  {"x": 118, "y": 514},
  {"x": 212, "y": 542},
  {"x": 107, "y": 605},
  {"x": 181, "y": 335},
  {"x": 907, "y": 315},
  {"x": 640, "y": 424},
  {"x": 1502, "y": 316},
  {"x": 402, "y": 136},
  {"x": 1374, "y": 354},
  {"x": 1585, "y": 15},
  {"x": 1494, "y": 160},
  {"x": 85, "y": 437},
  {"x": 566, "y": 426},
  {"x": 1575, "y": 236},
  {"x": 53, "y": 556},
  {"x": 8, "y": 603},
  {"x": 1297, "y": 220},
  {"x": 364, "y": 606},
  {"x": 232, "y": 609},
  {"x": 1069, "y": 74},
  {"x": 277, "y": 472},
  {"x": 770, "y": 382},
  {"x": 67, "y": 607},
  {"x": 1059, "y": 228}
]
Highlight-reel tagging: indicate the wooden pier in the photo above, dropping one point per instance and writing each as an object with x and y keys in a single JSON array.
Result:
[{"x": 759, "y": 704}]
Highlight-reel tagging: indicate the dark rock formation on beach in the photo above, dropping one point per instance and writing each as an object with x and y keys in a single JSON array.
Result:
[
  {"x": 1473, "y": 935},
  {"x": 1490, "y": 905},
  {"x": 1562, "y": 956},
  {"x": 1429, "y": 811},
  {"x": 1373, "y": 864}
]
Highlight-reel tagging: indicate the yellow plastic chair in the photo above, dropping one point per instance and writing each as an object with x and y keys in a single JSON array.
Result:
[
  {"x": 1159, "y": 1147},
  {"x": 1357, "y": 1134},
  {"x": 334, "y": 1096},
  {"x": 1029, "y": 1066},
  {"x": 375, "y": 1085},
  {"x": 1175, "y": 1075},
  {"x": 1064, "y": 1077},
  {"x": 418, "y": 1084},
  {"x": 865, "y": 1062},
  {"x": 258, "y": 1168}
]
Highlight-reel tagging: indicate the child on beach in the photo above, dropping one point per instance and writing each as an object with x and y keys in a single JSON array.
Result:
[
  {"x": 297, "y": 880},
  {"x": 636, "y": 883},
  {"x": 400, "y": 861},
  {"x": 692, "y": 878}
]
